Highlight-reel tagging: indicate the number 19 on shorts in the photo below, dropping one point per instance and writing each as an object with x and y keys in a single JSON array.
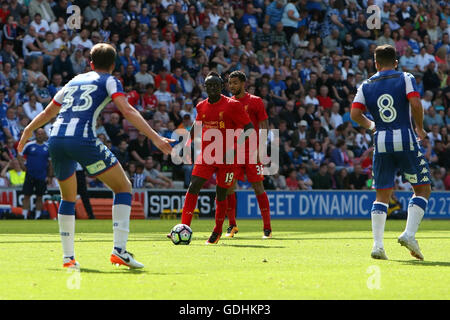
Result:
[{"x": 229, "y": 177}]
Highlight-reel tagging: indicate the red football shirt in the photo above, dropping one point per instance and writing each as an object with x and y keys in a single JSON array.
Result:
[
  {"x": 225, "y": 114},
  {"x": 325, "y": 102},
  {"x": 133, "y": 98},
  {"x": 149, "y": 102},
  {"x": 256, "y": 110},
  {"x": 170, "y": 80}
]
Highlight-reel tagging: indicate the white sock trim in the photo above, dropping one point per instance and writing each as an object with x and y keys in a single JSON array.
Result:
[{"x": 384, "y": 204}]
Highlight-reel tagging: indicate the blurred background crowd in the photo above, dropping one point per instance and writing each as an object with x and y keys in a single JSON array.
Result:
[{"x": 304, "y": 58}]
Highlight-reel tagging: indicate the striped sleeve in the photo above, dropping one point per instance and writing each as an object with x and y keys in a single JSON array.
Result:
[
  {"x": 114, "y": 87},
  {"x": 59, "y": 96},
  {"x": 411, "y": 86},
  {"x": 359, "y": 102}
]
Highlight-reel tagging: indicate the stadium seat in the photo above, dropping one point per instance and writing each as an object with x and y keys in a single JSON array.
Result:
[
  {"x": 103, "y": 209},
  {"x": 166, "y": 214}
]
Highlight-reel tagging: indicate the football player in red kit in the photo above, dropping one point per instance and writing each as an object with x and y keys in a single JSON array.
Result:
[
  {"x": 220, "y": 113},
  {"x": 254, "y": 106}
]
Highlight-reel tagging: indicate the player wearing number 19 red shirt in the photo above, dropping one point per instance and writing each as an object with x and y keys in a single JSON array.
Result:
[
  {"x": 254, "y": 171},
  {"x": 220, "y": 113}
]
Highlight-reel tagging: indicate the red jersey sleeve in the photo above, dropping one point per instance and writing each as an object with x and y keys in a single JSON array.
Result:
[{"x": 199, "y": 112}]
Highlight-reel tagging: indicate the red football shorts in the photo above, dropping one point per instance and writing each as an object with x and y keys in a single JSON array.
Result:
[
  {"x": 254, "y": 172},
  {"x": 224, "y": 174}
]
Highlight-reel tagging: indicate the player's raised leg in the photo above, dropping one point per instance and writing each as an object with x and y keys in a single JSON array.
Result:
[
  {"x": 117, "y": 181},
  {"x": 416, "y": 210}
]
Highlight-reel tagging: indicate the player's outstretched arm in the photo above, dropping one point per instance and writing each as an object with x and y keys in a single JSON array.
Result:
[
  {"x": 417, "y": 113},
  {"x": 135, "y": 118},
  {"x": 45, "y": 116}
]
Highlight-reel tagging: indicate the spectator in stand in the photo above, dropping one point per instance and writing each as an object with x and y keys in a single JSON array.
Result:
[
  {"x": 408, "y": 63},
  {"x": 343, "y": 180},
  {"x": 143, "y": 77},
  {"x": 14, "y": 173},
  {"x": 43, "y": 8},
  {"x": 291, "y": 181},
  {"x": 163, "y": 94},
  {"x": 431, "y": 118},
  {"x": 156, "y": 178},
  {"x": 339, "y": 155},
  {"x": 32, "y": 108},
  {"x": 93, "y": 12},
  {"x": 121, "y": 153},
  {"x": 357, "y": 179},
  {"x": 171, "y": 82},
  {"x": 324, "y": 100},
  {"x": 139, "y": 149},
  {"x": 322, "y": 179},
  {"x": 10, "y": 124},
  {"x": 115, "y": 130}
]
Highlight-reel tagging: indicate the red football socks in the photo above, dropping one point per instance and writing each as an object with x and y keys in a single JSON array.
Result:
[
  {"x": 231, "y": 209},
  {"x": 221, "y": 211},
  {"x": 264, "y": 207},
  {"x": 190, "y": 203}
]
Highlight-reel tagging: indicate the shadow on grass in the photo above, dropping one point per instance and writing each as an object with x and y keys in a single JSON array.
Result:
[
  {"x": 424, "y": 263},
  {"x": 253, "y": 246},
  {"x": 164, "y": 239},
  {"x": 120, "y": 270},
  {"x": 114, "y": 271}
]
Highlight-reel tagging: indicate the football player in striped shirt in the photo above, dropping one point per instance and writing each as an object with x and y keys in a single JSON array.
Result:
[
  {"x": 73, "y": 139},
  {"x": 392, "y": 99}
]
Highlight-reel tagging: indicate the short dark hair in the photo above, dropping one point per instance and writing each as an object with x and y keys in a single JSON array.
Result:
[
  {"x": 385, "y": 55},
  {"x": 103, "y": 56},
  {"x": 238, "y": 74},
  {"x": 214, "y": 74}
]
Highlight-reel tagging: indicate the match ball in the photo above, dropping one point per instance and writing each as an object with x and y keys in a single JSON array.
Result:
[{"x": 181, "y": 234}]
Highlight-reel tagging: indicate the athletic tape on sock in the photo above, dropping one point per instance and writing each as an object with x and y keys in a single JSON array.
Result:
[
  {"x": 123, "y": 198},
  {"x": 421, "y": 202},
  {"x": 379, "y": 207},
  {"x": 66, "y": 208}
]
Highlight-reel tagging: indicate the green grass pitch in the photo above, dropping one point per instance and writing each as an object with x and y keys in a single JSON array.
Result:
[{"x": 306, "y": 259}]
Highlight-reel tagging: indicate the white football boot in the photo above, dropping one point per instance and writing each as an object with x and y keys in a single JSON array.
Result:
[
  {"x": 378, "y": 253},
  {"x": 71, "y": 263},
  {"x": 125, "y": 259},
  {"x": 411, "y": 244}
]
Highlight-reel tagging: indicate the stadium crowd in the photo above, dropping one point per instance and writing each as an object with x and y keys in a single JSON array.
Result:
[{"x": 304, "y": 58}]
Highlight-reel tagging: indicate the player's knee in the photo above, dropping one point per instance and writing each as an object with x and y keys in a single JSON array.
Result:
[
  {"x": 231, "y": 190},
  {"x": 423, "y": 191},
  {"x": 258, "y": 187},
  {"x": 221, "y": 193},
  {"x": 124, "y": 186},
  {"x": 194, "y": 187},
  {"x": 127, "y": 186}
]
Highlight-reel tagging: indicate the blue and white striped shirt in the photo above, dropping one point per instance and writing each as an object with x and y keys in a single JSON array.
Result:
[
  {"x": 386, "y": 96},
  {"x": 82, "y": 99}
]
